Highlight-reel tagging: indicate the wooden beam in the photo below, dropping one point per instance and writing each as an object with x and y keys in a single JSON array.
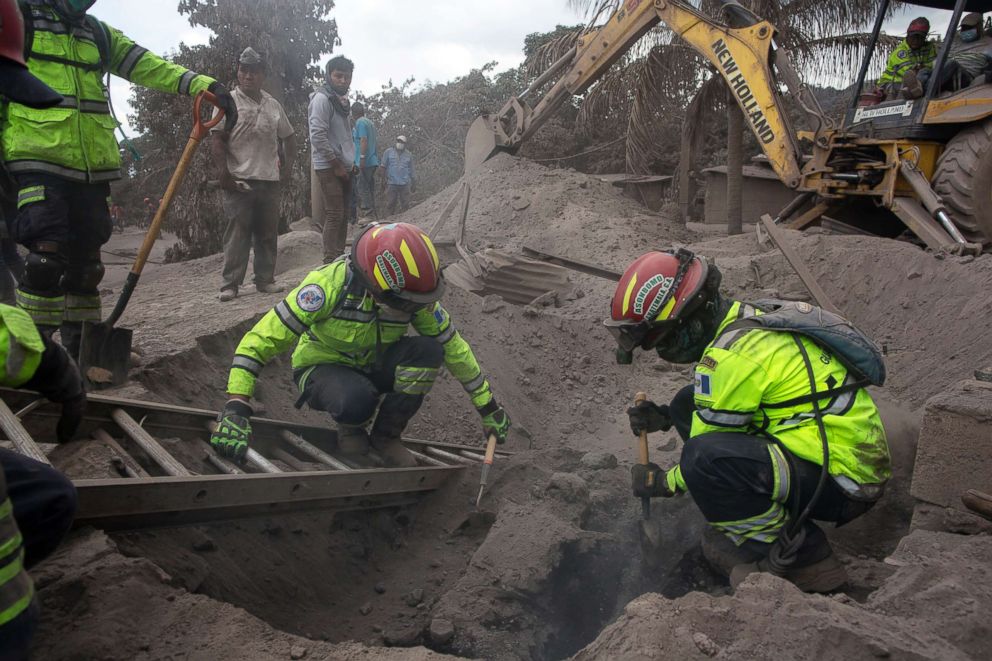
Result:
[{"x": 798, "y": 265}]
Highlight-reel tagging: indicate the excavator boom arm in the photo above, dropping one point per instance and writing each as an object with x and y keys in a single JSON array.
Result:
[{"x": 742, "y": 56}]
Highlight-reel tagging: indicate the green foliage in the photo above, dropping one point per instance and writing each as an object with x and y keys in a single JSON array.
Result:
[{"x": 292, "y": 35}]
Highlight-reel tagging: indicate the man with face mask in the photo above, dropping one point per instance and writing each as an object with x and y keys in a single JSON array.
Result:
[
  {"x": 753, "y": 450},
  {"x": 971, "y": 51},
  {"x": 398, "y": 177},
  {"x": 911, "y": 62},
  {"x": 349, "y": 322},
  {"x": 63, "y": 158},
  {"x": 333, "y": 151}
]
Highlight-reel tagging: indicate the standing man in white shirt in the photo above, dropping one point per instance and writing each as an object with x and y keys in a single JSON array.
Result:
[{"x": 251, "y": 167}]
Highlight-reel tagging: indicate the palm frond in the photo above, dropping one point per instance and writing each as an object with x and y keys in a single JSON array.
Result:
[{"x": 550, "y": 52}]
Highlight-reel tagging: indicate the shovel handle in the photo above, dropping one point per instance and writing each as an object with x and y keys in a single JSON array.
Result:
[
  {"x": 642, "y": 457},
  {"x": 200, "y": 129}
]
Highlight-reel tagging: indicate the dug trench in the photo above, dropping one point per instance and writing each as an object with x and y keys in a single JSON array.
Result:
[{"x": 558, "y": 570}]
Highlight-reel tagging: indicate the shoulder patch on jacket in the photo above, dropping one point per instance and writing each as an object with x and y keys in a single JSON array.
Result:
[
  {"x": 708, "y": 362},
  {"x": 311, "y": 298},
  {"x": 702, "y": 385}
]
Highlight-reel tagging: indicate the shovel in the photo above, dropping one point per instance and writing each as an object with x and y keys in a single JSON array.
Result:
[
  {"x": 650, "y": 532},
  {"x": 105, "y": 351}
]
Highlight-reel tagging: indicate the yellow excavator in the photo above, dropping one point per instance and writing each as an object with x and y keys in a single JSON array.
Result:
[{"x": 928, "y": 160}]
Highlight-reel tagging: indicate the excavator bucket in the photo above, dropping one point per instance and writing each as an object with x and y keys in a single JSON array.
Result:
[{"x": 480, "y": 143}]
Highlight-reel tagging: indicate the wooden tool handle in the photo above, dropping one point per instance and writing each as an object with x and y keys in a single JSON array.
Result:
[
  {"x": 642, "y": 443},
  {"x": 490, "y": 450}
]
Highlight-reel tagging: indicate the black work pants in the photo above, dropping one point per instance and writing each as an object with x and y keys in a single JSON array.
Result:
[
  {"x": 44, "y": 503},
  {"x": 747, "y": 486},
  {"x": 404, "y": 374}
]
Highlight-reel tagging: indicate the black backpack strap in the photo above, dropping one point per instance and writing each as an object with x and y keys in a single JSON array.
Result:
[
  {"x": 820, "y": 394},
  {"x": 102, "y": 36}
]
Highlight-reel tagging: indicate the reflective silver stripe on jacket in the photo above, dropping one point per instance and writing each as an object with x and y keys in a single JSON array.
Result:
[
  {"x": 246, "y": 363},
  {"x": 23, "y": 166},
  {"x": 724, "y": 418},
  {"x": 446, "y": 335},
  {"x": 185, "y": 81},
  {"x": 289, "y": 319},
  {"x": 130, "y": 61},
  {"x": 726, "y": 340},
  {"x": 840, "y": 405},
  {"x": 475, "y": 383},
  {"x": 354, "y": 315}
]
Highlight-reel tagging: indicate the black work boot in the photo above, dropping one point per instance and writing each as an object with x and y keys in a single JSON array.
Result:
[
  {"x": 394, "y": 414},
  {"x": 815, "y": 569},
  {"x": 353, "y": 440},
  {"x": 722, "y": 554}
]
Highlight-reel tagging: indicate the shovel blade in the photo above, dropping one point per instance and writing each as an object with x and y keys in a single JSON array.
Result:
[
  {"x": 651, "y": 541},
  {"x": 104, "y": 354}
]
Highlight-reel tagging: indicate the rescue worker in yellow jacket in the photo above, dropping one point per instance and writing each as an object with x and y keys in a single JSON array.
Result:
[
  {"x": 348, "y": 320},
  {"x": 753, "y": 454},
  {"x": 910, "y": 65},
  {"x": 63, "y": 158},
  {"x": 37, "y": 503}
]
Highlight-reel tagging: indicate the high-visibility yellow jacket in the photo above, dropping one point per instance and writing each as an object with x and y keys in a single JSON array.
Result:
[
  {"x": 904, "y": 58},
  {"x": 746, "y": 374},
  {"x": 75, "y": 140},
  {"x": 20, "y": 354},
  {"x": 333, "y": 320}
]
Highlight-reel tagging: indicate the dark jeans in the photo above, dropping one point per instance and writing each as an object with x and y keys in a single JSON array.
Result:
[
  {"x": 44, "y": 503},
  {"x": 336, "y": 192},
  {"x": 397, "y": 198},
  {"x": 350, "y": 395},
  {"x": 366, "y": 188},
  {"x": 252, "y": 222},
  {"x": 731, "y": 478}
]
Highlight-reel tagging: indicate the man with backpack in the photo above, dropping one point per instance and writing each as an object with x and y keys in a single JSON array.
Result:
[
  {"x": 63, "y": 158},
  {"x": 778, "y": 427}
]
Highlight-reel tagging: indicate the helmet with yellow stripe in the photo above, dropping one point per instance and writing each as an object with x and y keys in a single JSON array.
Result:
[
  {"x": 398, "y": 265},
  {"x": 655, "y": 295}
]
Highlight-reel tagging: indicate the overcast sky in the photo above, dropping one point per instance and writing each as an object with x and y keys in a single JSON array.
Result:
[{"x": 394, "y": 39}]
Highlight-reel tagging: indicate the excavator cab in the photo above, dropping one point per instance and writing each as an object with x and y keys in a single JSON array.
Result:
[{"x": 928, "y": 160}]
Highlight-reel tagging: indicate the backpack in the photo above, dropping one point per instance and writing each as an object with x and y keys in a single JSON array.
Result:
[{"x": 855, "y": 350}]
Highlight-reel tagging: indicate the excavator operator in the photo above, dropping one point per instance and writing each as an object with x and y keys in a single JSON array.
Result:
[
  {"x": 349, "y": 320},
  {"x": 754, "y": 432},
  {"x": 911, "y": 63}
]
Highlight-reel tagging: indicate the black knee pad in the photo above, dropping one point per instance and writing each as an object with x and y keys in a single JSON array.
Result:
[
  {"x": 42, "y": 272},
  {"x": 84, "y": 277}
]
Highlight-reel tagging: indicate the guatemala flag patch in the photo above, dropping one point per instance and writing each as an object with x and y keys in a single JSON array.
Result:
[
  {"x": 439, "y": 315},
  {"x": 703, "y": 385}
]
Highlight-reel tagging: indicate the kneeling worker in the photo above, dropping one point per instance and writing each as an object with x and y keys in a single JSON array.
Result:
[
  {"x": 767, "y": 408},
  {"x": 349, "y": 320}
]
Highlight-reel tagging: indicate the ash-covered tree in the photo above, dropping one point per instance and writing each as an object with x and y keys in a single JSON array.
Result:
[{"x": 292, "y": 34}]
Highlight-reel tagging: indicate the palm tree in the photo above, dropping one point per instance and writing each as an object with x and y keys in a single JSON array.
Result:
[{"x": 662, "y": 77}]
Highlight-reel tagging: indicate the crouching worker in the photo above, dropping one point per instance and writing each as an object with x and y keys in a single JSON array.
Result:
[
  {"x": 778, "y": 428},
  {"x": 349, "y": 321}
]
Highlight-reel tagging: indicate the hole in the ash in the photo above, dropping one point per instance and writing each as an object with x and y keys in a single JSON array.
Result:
[
  {"x": 296, "y": 487},
  {"x": 200, "y": 495},
  {"x": 367, "y": 484},
  {"x": 422, "y": 478}
]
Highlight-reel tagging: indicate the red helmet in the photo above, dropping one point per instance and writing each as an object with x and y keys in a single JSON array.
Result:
[
  {"x": 398, "y": 264},
  {"x": 918, "y": 25},
  {"x": 654, "y": 295},
  {"x": 16, "y": 83}
]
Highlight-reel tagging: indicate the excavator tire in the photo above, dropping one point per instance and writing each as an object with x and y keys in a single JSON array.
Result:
[{"x": 964, "y": 181}]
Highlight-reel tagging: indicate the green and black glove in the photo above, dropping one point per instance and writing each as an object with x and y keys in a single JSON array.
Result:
[
  {"x": 226, "y": 103},
  {"x": 58, "y": 379},
  {"x": 648, "y": 416},
  {"x": 649, "y": 481},
  {"x": 233, "y": 433},
  {"x": 495, "y": 421}
]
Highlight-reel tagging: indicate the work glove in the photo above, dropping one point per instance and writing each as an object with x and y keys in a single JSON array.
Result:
[
  {"x": 648, "y": 416},
  {"x": 59, "y": 380},
  {"x": 649, "y": 481},
  {"x": 226, "y": 103},
  {"x": 233, "y": 433},
  {"x": 495, "y": 421}
]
